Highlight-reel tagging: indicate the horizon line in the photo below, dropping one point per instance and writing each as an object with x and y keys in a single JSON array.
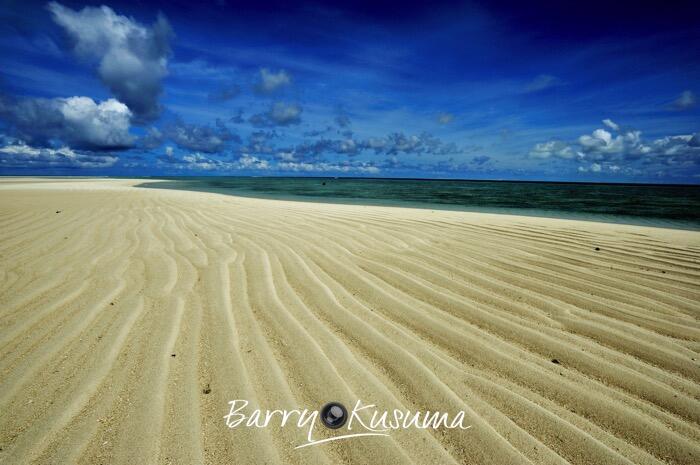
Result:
[{"x": 398, "y": 178}]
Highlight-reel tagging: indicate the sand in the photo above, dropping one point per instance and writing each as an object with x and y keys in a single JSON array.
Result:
[{"x": 130, "y": 317}]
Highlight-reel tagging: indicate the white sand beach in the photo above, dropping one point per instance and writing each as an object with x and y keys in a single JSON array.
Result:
[{"x": 130, "y": 317}]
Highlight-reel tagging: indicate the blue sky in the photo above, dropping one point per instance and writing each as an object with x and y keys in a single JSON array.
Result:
[{"x": 509, "y": 90}]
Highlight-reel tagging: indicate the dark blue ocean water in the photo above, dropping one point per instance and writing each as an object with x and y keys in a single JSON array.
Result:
[{"x": 653, "y": 205}]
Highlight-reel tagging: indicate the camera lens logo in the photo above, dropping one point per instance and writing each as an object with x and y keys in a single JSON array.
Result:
[{"x": 334, "y": 415}]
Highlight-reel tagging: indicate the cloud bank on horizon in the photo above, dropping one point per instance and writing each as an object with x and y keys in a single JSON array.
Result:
[{"x": 450, "y": 90}]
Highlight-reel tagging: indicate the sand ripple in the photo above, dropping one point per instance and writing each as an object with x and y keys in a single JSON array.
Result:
[{"x": 117, "y": 312}]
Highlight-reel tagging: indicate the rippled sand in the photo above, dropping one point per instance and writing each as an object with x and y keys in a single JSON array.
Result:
[{"x": 129, "y": 318}]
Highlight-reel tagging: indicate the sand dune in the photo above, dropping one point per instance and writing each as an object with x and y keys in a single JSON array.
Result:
[{"x": 129, "y": 317}]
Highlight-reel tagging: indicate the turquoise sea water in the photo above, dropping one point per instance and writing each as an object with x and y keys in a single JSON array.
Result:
[{"x": 652, "y": 205}]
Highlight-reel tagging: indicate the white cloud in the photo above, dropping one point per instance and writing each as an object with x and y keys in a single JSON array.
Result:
[
  {"x": 685, "y": 101},
  {"x": 622, "y": 150},
  {"x": 284, "y": 114},
  {"x": 325, "y": 167},
  {"x": 279, "y": 114},
  {"x": 21, "y": 155},
  {"x": 198, "y": 162},
  {"x": 200, "y": 138},
  {"x": 249, "y": 161},
  {"x": 553, "y": 148},
  {"x": 595, "y": 168},
  {"x": 611, "y": 124},
  {"x": 347, "y": 146},
  {"x": 271, "y": 82},
  {"x": 79, "y": 122},
  {"x": 601, "y": 140},
  {"x": 285, "y": 156},
  {"x": 103, "y": 124},
  {"x": 133, "y": 59}
]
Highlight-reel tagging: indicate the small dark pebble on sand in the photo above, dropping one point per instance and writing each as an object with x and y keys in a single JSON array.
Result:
[
  {"x": 58, "y": 211},
  {"x": 555, "y": 361},
  {"x": 111, "y": 303},
  {"x": 206, "y": 389},
  {"x": 597, "y": 249},
  {"x": 172, "y": 355}
]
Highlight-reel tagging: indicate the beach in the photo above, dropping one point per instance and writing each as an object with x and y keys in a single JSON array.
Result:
[{"x": 131, "y": 317}]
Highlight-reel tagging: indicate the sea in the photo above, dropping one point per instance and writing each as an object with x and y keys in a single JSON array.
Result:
[{"x": 671, "y": 206}]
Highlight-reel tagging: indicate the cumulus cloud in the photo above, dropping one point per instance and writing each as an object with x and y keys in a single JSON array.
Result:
[
  {"x": 326, "y": 167},
  {"x": 285, "y": 156},
  {"x": 199, "y": 162},
  {"x": 542, "y": 82},
  {"x": 270, "y": 82},
  {"x": 310, "y": 150},
  {"x": 78, "y": 122},
  {"x": 198, "y": 138},
  {"x": 21, "y": 155},
  {"x": 400, "y": 143},
  {"x": 283, "y": 162},
  {"x": 347, "y": 146},
  {"x": 251, "y": 162},
  {"x": 279, "y": 114},
  {"x": 685, "y": 101},
  {"x": 259, "y": 142},
  {"x": 317, "y": 148},
  {"x": 314, "y": 150},
  {"x": 616, "y": 150},
  {"x": 445, "y": 118},
  {"x": 132, "y": 58},
  {"x": 393, "y": 144},
  {"x": 611, "y": 124},
  {"x": 595, "y": 168}
]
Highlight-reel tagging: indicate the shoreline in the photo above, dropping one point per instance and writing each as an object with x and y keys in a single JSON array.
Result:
[
  {"x": 684, "y": 225},
  {"x": 606, "y": 218},
  {"x": 497, "y": 216}
]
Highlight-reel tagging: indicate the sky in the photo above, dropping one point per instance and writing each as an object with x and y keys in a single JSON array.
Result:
[{"x": 541, "y": 90}]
